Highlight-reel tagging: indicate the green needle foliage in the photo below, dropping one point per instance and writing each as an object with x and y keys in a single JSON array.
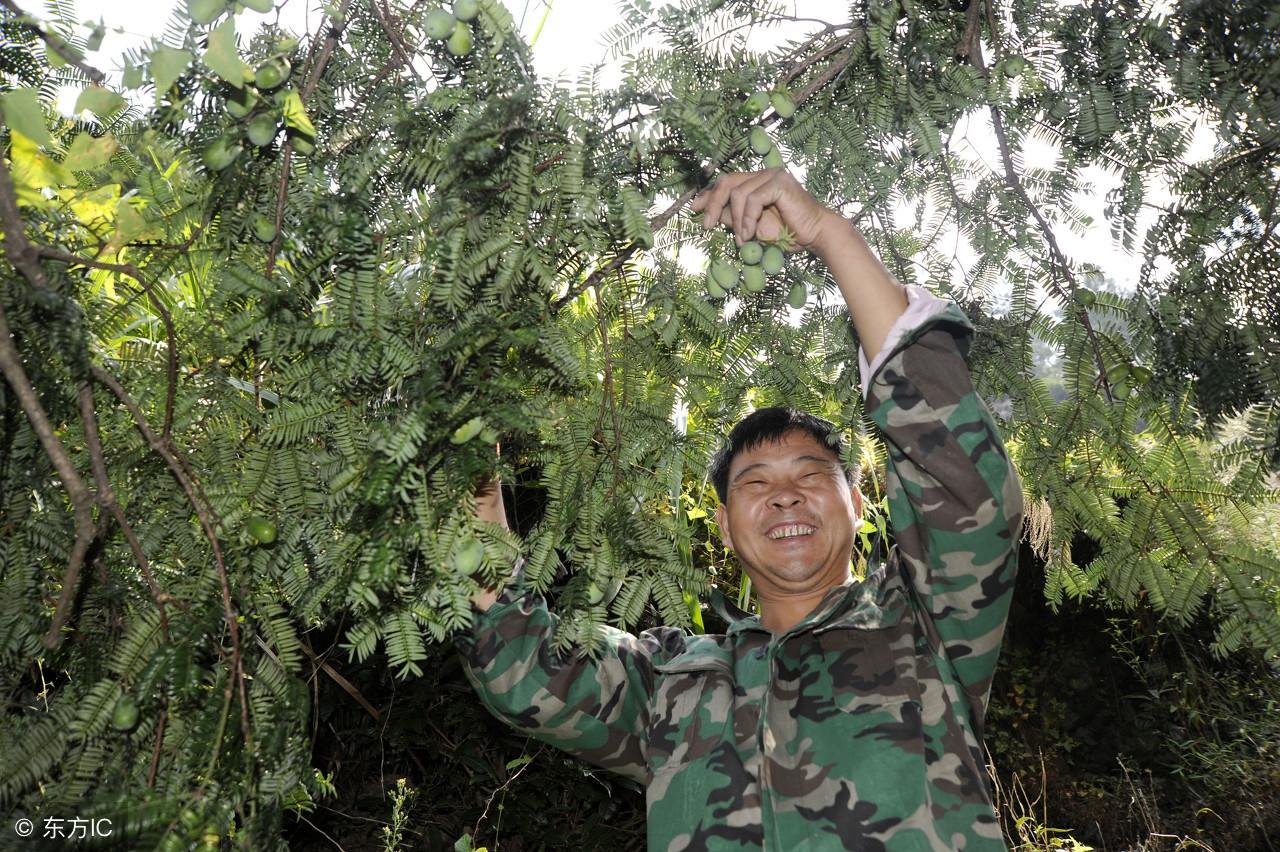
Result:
[{"x": 251, "y": 388}]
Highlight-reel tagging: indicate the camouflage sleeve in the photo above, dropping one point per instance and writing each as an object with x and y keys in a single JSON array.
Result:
[
  {"x": 954, "y": 497},
  {"x": 597, "y": 709}
]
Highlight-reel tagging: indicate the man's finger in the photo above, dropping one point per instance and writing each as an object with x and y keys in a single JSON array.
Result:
[
  {"x": 748, "y": 200},
  {"x": 712, "y": 200}
]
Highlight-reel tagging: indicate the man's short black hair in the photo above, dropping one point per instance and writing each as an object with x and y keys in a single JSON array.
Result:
[{"x": 767, "y": 425}]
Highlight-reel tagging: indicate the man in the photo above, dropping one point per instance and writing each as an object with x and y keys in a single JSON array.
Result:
[{"x": 848, "y": 714}]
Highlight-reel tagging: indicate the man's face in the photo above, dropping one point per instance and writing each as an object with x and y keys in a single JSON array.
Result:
[{"x": 776, "y": 490}]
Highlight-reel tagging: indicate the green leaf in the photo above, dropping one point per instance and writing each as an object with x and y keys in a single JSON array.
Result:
[
  {"x": 88, "y": 152},
  {"x": 23, "y": 113},
  {"x": 295, "y": 114},
  {"x": 99, "y": 100},
  {"x": 167, "y": 65},
  {"x": 222, "y": 57}
]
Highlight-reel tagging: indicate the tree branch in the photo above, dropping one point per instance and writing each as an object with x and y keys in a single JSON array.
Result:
[{"x": 55, "y": 44}]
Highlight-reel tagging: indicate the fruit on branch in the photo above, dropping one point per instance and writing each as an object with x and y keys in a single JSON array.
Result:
[
  {"x": 271, "y": 74},
  {"x": 459, "y": 43},
  {"x": 760, "y": 141},
  {"x": 798, "y": 296},
  {"x": 783, "y": 105},
  {"x": 1140, "y": 375},
  {"x": 595, "y": 594},
  {"x": 262, "y": 129},
  {"x": 773, "y": 159},
  {"x": 756, "y": 103},
  {"x": 772, "y": 260},
  {"x": 751, "y": 253},
  {"x": 752, "y": 279},
  {"x": 1117, "y": 373},
  {"x": 205, "y": 11},
  {"x": 264, "y": 230},
  {"x": 124, "y": 716},
  {"x": 439, "y": 24},
  {"x": 261, "y": 529},
  {"x": 468, "y": 556},
  {"x": 221, "y": 153},
  {"x": 303, "y": 143},
  {"x": 1084, "y": 297},
  {"x": 725, "y": 274},
  {"x": 1013, "y": 65},
  {"x": 466, "y": 10},
  {"x": 241, "y": 102}
]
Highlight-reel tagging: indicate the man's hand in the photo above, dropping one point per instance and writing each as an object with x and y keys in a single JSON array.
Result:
[
  {"x": 489, "y": 507},
  {"x": 758, "y": 205}
]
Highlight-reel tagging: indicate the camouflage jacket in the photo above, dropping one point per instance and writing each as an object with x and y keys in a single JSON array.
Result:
[{"x": 860, "y": 728}]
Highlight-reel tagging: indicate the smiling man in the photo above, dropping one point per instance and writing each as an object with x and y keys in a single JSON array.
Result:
[{"x": 847, "y": 714}]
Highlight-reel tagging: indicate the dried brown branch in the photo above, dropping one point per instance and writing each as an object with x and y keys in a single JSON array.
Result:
[{"x": 56, "y": 44}]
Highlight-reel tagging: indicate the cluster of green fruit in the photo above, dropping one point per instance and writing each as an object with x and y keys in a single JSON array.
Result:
[
  {"x": 263, "y": 118},
  {"x": 1124, "y": 377},
  {"x": 207, "y": 11},
  {"x": 756, "y": 104},
  {"x": 454, "y": 26},
  {"x": 755, "y": 261}
]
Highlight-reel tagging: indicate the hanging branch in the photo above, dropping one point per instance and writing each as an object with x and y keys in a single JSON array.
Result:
[
  {"x": 207, "y": 522},
  {"x": 659, "y": 221},
  {"x": 55, "y": 44},
  {"x": 971, "y": 50}
]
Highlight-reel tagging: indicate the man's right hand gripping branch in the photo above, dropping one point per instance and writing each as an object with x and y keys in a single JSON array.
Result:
[{"x": 847, "y": 713}]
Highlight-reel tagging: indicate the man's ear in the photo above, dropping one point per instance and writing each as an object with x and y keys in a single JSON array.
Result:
[
  {"x": 722, "y": 520},
  {"x": 857, "y": 502}
]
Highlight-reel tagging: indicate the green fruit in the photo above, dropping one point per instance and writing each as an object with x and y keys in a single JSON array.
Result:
[
  {"x": 595, "y": 594},
  {"x": 751, "y": 253},
  {"x": 1084, "y": 297},
  {"x": 264, "y": 230},
  {"x": 271, "y": 75},
  {"x": 303, "y": 143},
  {"x": 757, "y": 103},
  {"x": 752, "y": 279},
  {"x": 205, "y": 11},
  {"x": 760, "y": 141},
  {"x": 1117, "y": 373},
  {"x": 1013, "y": 66},
  {"x": 263, "y": 129},
  {"x": 124, "y": 717},
  {"x": 772, "y": 260},
  {"x": 469, "y": 556},
  {"x": 782, "y": 104},
  {"x": 467, "y": 430},
  {"x": 466, "y": 10},
  {"x": 798, "y": 296},
  {"x": 262, "y": 7},
  {"x": 725, "y": 274},
  {"x": 262, "y": 530},
  {"x": 439, "y": 24},
  {"x": 241, "y": 102},
  {"x": 460, "y": 42},
  {"x": 1140, "y": 375},
  {"x": 221, "y": 153},
  {"x": 714, "y": 290},
  {"x": 1121, "y": 390},
  {"x": 773, "y": 159}
]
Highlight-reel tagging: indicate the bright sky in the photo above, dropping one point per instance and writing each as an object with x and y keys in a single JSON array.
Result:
[{"x": 571, "y": 38}]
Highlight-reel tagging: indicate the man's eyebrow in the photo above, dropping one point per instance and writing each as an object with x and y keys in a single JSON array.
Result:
[{"x": 822, "y": 460}]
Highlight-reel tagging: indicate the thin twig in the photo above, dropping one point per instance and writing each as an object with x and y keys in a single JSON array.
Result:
[
  {"x": 57, "y": 45},
  {"x": 107, "y": 498},
  {"x": 170, "y": 335}
]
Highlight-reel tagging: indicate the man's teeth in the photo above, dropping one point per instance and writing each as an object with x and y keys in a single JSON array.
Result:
[{"x": 788, "y": 532}]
